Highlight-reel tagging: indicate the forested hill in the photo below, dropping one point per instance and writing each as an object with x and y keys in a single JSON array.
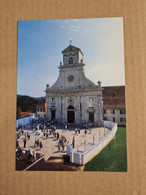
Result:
[{"x": 26, "y": 103}]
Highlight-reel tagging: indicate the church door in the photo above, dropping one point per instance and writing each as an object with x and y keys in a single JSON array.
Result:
[
  {"x": 91, "y": 117},
  {"x": 70, "y": 114},
  {"x": 52, "y": 114}
]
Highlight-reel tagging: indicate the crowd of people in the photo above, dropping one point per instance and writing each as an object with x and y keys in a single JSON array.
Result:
[
  {"x": 47, "y": 131},
  {"x": 38, "y": 143},
  {"x": 24, "y": 154},
  {"x": 77, "y": 131}
]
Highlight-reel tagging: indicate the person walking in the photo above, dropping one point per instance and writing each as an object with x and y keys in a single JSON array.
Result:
[{"x": 73, "y": 142}]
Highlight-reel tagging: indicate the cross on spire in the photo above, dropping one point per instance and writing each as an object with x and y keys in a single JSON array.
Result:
[{"x": 70, "y": 41}]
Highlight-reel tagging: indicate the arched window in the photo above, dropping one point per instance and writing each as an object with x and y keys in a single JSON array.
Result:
[
  {"x": 70, "y": 107},
  {"x": 91, "y": 99},
  {"x": 70, "y": 60}
]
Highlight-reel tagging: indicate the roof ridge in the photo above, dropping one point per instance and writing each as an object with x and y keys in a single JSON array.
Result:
[
  {"x": 90, "y": 81},
  {"x": 77, "y": 48}
]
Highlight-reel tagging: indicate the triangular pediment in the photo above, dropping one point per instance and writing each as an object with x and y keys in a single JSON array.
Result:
[{"x": 71, "y": 48}]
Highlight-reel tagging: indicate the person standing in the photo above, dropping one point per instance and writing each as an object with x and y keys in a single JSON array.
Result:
[
  {"x": 46, "y": 135},
  {"x": 28, "y": 136},
  {"x": 34, "y": 154},
  {"x": 73, "y": 142},
  {"x": 41, "y": 145},
  {"x": 22, "y": 131},
  {"x": 57, "y": 135},
  {"x": 38, "y": 142},
  {"x": 79, "y": 130},
  {"x": 66, "y": 127},
  {"x": 63, "y": 145},
  {"x": 33, "y": 130},
  {"x": 17, "y": 143},
  {"x": 59, "y": 146},
  {"x": 35, "y": 142},
  {"x": 24, "y": 141},
  {"x": 25, "y": 134}
]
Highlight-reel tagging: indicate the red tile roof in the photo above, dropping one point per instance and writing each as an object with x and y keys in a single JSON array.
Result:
[
  {"x": 114, "y": 103},
  {"x": 114, "y": 97},
  {"x": 24, "y": 114},
  {"x": 40, "y": 106},
  {"x": 114, "y": 91}
]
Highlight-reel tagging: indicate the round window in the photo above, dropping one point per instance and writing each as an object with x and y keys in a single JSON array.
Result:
[{"x": 70, "y": 78}]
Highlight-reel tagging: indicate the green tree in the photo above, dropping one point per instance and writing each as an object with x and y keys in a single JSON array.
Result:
[
  {"x": 18, "y": 111},
  {"x": 24, "y": 102}
]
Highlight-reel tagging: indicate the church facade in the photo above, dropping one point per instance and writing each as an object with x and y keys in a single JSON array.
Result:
[{"x": 74, "y": 99}]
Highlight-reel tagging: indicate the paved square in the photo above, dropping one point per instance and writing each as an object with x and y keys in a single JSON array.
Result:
[{"x": 50, "y": 145}]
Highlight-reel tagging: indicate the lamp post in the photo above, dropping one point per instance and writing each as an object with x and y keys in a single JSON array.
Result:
[
  {"x": 84, "y": 145},
  {"x": 93, "y": 139}
]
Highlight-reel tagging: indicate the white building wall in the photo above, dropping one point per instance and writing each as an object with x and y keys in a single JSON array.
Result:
[
  {"x": 83, "y": 97},
  {"x": 80, "y": 57},
  {"x": 109, "y": 115}
]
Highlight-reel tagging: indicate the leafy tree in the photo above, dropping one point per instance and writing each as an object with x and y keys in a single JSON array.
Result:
[{"x": 24, "y": 102}]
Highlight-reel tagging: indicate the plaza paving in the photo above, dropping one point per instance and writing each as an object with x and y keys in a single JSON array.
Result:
[{"x": 50, "y": 145}]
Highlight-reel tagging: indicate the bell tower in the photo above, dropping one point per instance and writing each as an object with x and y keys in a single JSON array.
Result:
[{"x": 72, "y": 56}]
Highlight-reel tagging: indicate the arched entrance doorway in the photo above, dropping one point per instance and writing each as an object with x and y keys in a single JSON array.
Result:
[
  {"x": 53, "y": 113},
  {"x": 70, "y": 114},
  {"x": 91, "y": 117}
]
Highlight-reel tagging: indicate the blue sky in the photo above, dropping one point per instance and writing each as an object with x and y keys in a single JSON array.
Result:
[{"x": 40, "y": 44}]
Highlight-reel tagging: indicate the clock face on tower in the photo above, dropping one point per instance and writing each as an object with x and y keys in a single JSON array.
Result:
[{"x": 70, "y": 78}]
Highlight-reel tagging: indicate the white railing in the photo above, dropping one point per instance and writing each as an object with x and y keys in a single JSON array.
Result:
[{"x": 82, "y": 158}]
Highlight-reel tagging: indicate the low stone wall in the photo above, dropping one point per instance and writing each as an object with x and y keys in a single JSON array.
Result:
[
  {"x": 82, "y": 158},
  {"x": 24, "y": 121}
]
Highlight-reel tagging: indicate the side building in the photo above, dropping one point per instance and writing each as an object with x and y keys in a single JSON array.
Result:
[
  {"x": 114, "y": 104},
  {"x": 40, "y": 108}
]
